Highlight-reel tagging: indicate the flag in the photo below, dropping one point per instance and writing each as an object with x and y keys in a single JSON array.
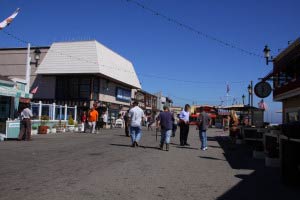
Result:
[
  {"x": 227, "y": 88},
  {"x": 34, "y": 90},
  {"x": 262, "y": 105},
  {"x": 8, "y": 20}
]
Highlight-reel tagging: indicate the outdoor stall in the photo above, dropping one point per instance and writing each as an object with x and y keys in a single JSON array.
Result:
[
  {"x": 12, "y": 93},
  {"x": 247, "y": 126}
]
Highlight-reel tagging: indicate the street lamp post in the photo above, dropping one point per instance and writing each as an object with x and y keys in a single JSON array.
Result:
[
  {"x": 37, "y": 54},
  {"x": 250, "y": 91},
  {"x": 249, "y": 95},
  {"x": 243, "y": 97},
  {"x": 267, "y": 54}
]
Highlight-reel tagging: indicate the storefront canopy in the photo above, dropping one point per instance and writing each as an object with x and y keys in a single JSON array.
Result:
[{"x": 13, "y": 92}]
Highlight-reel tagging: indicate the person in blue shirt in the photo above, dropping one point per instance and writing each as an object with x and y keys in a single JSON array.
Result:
[
  {"x": 165, "y": 121},
  {"x": 184, "y": 118}
]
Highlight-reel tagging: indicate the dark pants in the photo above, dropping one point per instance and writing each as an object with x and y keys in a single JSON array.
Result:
[
  {"x": 126, "y": 129},
  {"x": 25, "y": 129},
  {"x": 184, "y": 132}
]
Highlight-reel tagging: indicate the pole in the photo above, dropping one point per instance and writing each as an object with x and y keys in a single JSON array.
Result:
[
  {"x": 251, "y": 93},
  {"x": 28, "y": 69},
  {"x": 251, "y": 84}
]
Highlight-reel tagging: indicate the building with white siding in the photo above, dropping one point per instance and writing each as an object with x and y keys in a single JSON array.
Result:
[{"x": 82, "y": 73}]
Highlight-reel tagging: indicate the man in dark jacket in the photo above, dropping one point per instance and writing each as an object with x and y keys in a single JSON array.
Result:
[{"x": 203, "y": 123}]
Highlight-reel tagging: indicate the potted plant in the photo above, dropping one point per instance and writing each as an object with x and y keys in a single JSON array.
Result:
[
  {"x": 71, "y": 124},
  {"x": 42, "y": 129},
  {"x": 76, "y": 127},
  {"x": 34, "y": 130},
  {"x": 53, "y": 129},
  {"x": 60, "y": 127}
]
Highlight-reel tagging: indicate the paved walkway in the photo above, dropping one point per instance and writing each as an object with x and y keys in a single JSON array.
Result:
[{"x": 104, "y": 166}]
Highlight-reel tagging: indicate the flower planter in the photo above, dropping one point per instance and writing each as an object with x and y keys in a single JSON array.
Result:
[
  {"x": 34, "y": 131},
  {"x": 81, "y": 127},
  {"x": 76, "y": 129},
  {"x": 53, "y": 130},
  {"x": 70, "y": 128},
  {"x": 60, "y": 130},
  {"x": 42, "y": 129}
]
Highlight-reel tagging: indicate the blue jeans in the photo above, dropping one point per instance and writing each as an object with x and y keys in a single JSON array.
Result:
[
  {"x": 165, "y": 136},
  {"x": 203, "y": 138},
  {"x": 135, "y": 133}
]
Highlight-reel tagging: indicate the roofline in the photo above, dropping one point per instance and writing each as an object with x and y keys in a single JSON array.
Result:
[
  {"x": 24, "y": 48},
  {"x": 288, "y": 49},
  {"x": 96, "y": 42}
]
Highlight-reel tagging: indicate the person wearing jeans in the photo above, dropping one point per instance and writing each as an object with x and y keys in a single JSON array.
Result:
[
  {"x": 203, "y": 123},
  {"x": 136, "y": 134},
  {"x": 203, "y": 139},
  {"x": 136, "y": 115},
  {"x": 165, "y": 120}
]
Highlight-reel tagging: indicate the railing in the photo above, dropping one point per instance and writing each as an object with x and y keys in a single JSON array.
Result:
[{"x": 53, "y": 111}]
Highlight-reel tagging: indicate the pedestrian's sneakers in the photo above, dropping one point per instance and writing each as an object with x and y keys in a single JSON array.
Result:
[{"x": 204, "y": 149}]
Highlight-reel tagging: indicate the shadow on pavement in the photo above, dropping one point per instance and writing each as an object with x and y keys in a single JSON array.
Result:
[
  {"x": 185, "y": 147},
  {"x": 211, "y": 138},
  {"x": 210, "y": 158},
  {"x": 213, "y": 146},
  {"x": 140, "y": 146},
  {"x": 262, "y": 183}
]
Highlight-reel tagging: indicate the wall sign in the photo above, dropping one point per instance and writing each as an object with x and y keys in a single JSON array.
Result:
[
  {"x": 262, "y": 89},
  {"x": 123, "y": 94}
]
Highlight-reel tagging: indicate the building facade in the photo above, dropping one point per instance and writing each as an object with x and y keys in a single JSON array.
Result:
[
  {"x": 147, "y": 101},
  {"x": 163, "y": 101},
  {"x": 82, "y": 73},
  {"x": 286, "y": 81}
]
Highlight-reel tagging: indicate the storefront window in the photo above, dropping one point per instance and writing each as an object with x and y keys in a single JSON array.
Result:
[
  {"x": 72, "y": 88},
  {"x": 5, "y": 103},
  {"x": 96, "y": 88}
]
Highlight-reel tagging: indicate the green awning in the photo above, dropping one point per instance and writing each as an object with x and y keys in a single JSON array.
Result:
[
  {"x": 8, "y": 91},
  {"x": 13, "y": 92}
]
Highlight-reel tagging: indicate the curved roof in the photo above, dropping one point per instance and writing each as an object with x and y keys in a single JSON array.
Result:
[{"x": 88, "y": 57}]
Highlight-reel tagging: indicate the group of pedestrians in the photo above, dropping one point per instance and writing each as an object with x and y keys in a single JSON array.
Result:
[
  {"x": 90, "y": 120},
  {"x": 165, "y": 122}
]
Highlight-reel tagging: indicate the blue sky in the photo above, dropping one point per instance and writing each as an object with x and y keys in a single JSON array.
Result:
[{"x": 159, "y": 48}]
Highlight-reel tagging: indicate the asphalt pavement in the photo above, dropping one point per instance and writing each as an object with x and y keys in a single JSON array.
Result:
[{"x": 104, "y": 166}]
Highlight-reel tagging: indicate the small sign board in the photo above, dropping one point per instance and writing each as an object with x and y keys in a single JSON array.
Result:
[{"x": 262, "y": 89}]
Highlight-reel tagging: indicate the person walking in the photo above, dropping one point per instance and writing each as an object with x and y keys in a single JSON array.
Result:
[
  {"x": 25, "y": 129},
  {"x": 150, "y": 122},
  {"x": 93, "y": 118},
  {"x": 105, "y": 119},
  {"x": 174, "y": 128},
  {"x": 126, "y": 122},
  {"x": 203, "y": 123},
  {"x": 165, "y": 121},
  {"x": 84, "y": 121},
  {"x": 184, "y": 125},
  {"x": 136, "y": 115}
]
